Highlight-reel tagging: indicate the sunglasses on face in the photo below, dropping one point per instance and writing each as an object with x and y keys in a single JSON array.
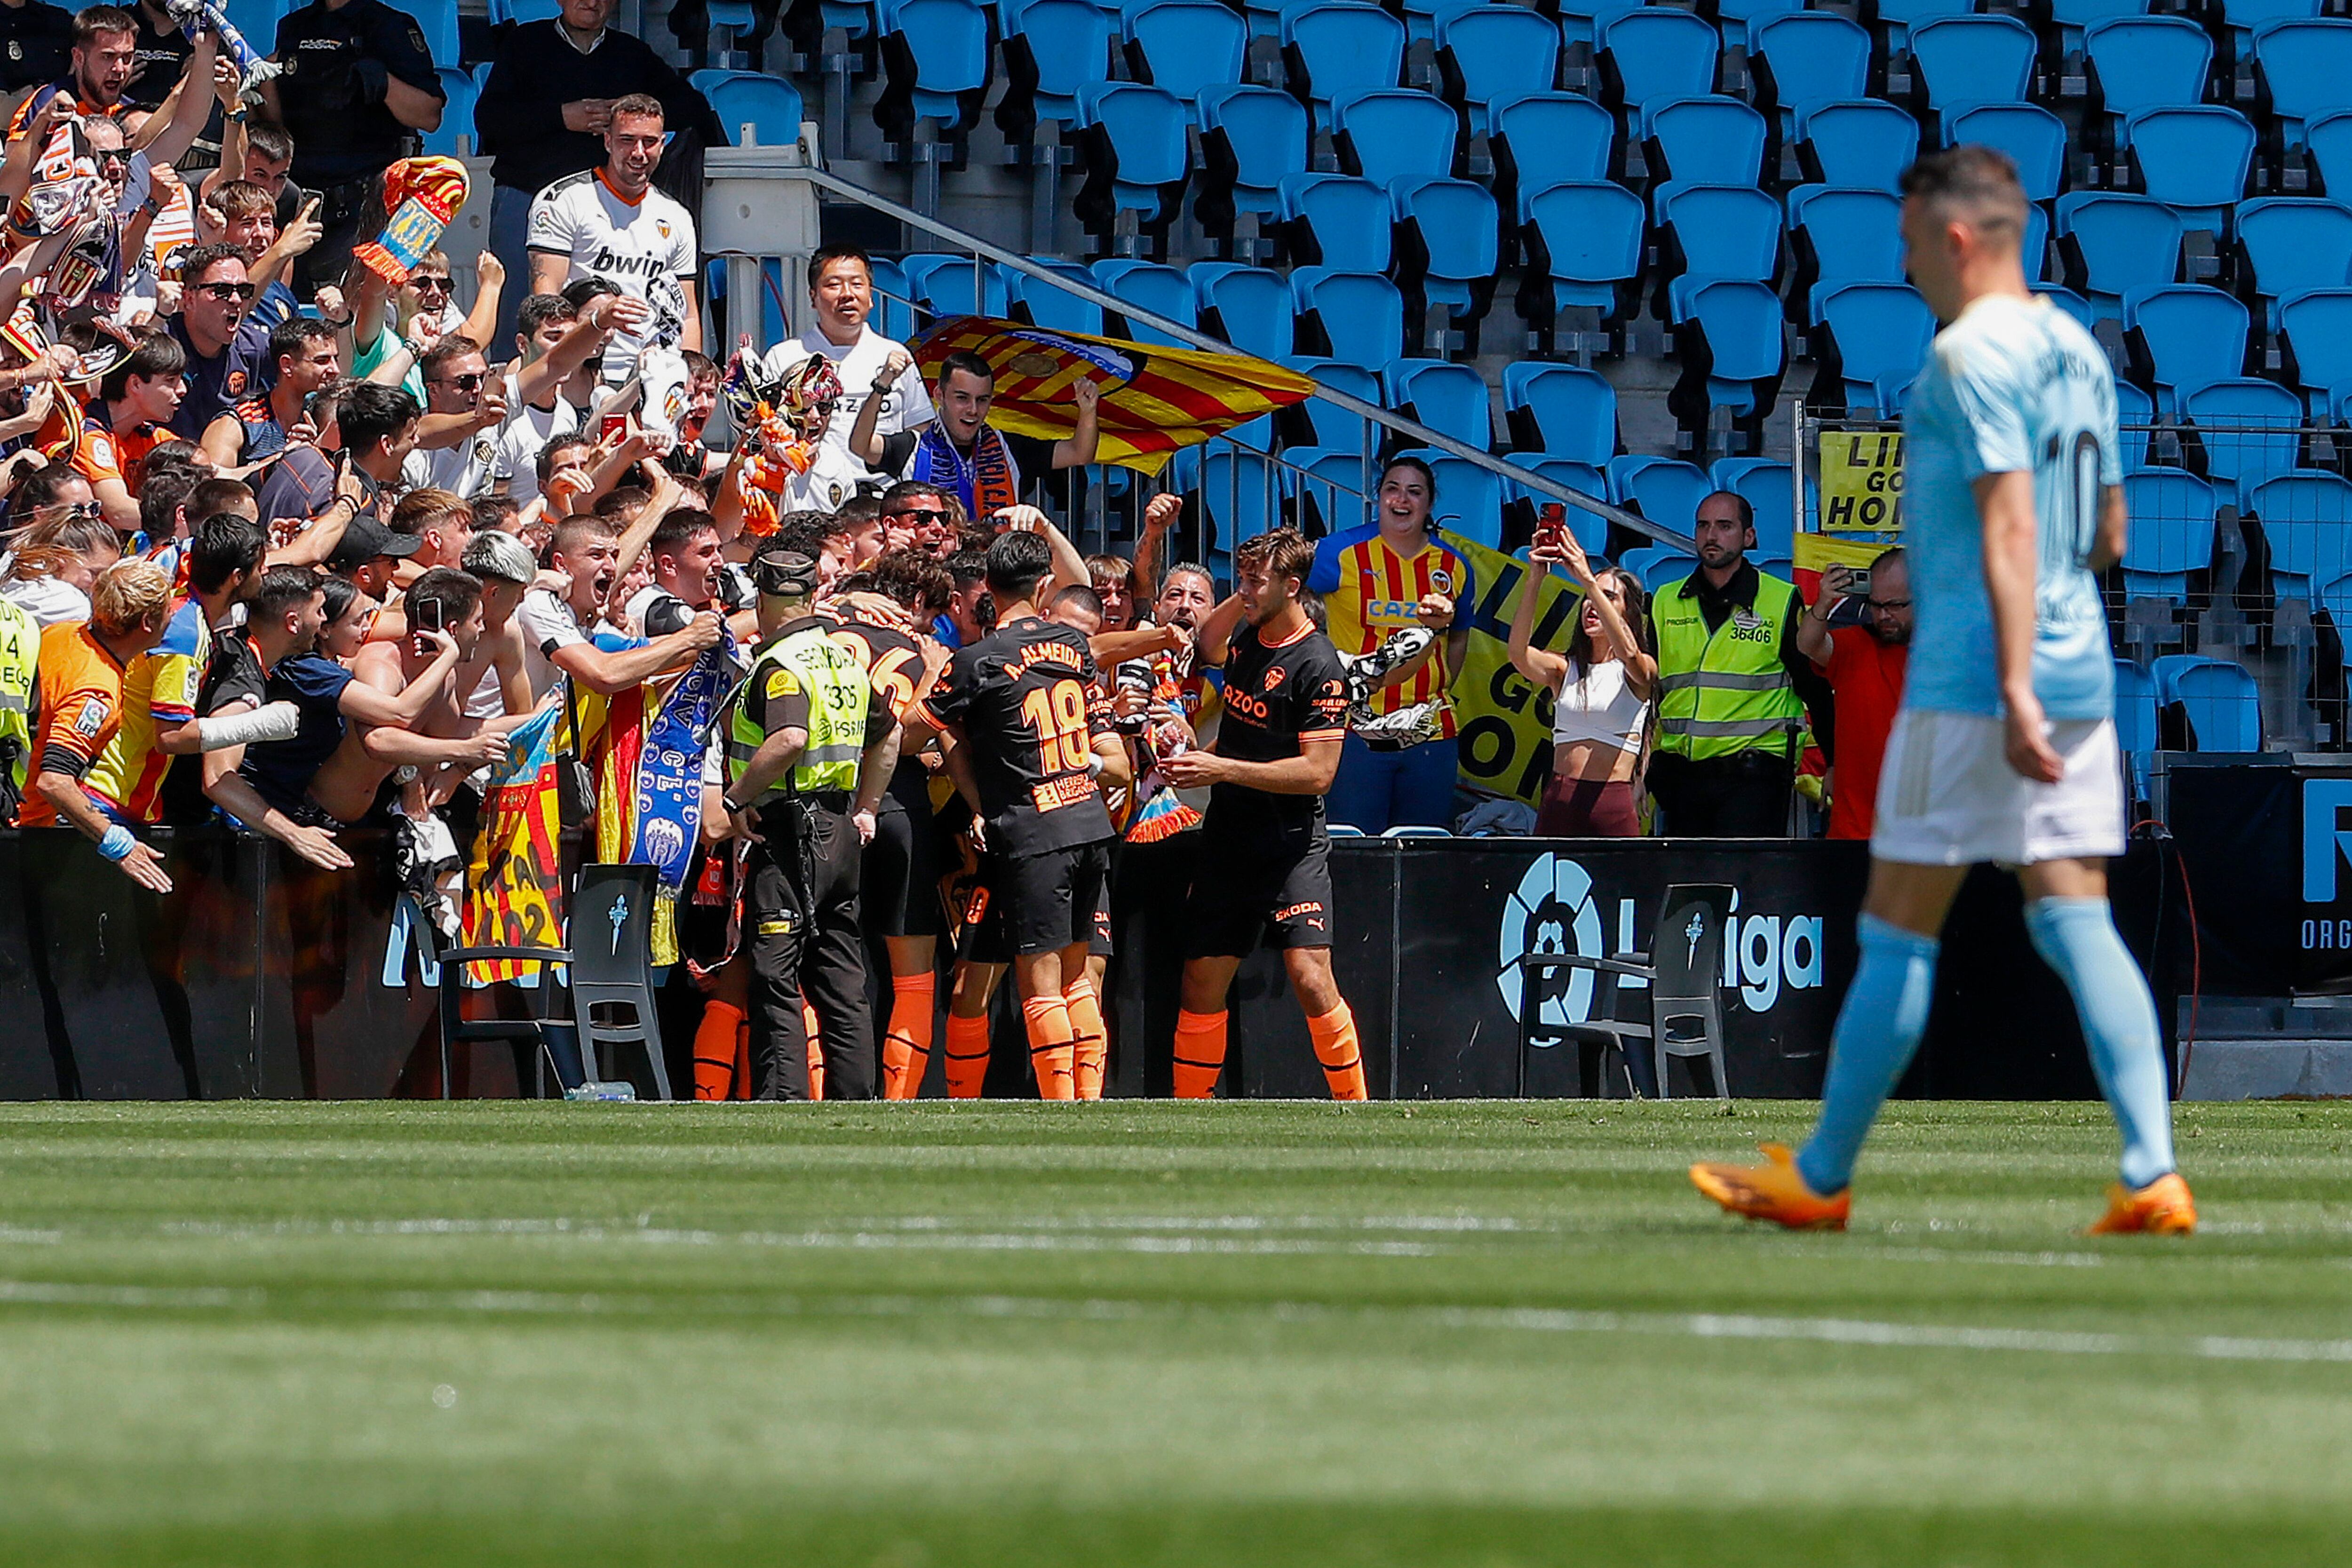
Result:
[
  {"x": 922, "y": 514},
  {"x": 111, "y": 158},
  {"x": 226, "y": 291},
  {"x": 438, "y": 285},
  {"x": 1885, "y": 606},
  {"x": 69, "y": 508},
  {"x": 469, "y": 382}
]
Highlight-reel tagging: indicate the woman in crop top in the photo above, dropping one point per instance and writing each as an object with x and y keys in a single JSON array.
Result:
[{"x": 1600, "y": 696}]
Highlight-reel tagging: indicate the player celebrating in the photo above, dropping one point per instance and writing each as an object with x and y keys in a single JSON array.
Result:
[
  {"x": 1265, "y": 857},
  {"x": 1026, "y": 742},
  {"x": 2004, "y": 749}
]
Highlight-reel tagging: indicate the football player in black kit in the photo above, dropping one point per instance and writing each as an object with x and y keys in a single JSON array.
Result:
[
  {"x": 1285, "y": 705},
  {"x": 1025, "y": 743}
]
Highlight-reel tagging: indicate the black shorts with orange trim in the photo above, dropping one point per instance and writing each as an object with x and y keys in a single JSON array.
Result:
[
  {"x": 1039, "y": 903},
  {"x": 1277, "y": 889}
]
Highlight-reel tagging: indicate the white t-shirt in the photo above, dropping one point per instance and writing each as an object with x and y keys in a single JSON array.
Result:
[
  {"x": 906, "y": 406},
  {"x": 48, "y": 600},
  {"x": 645, "y": 249},
  {"x": 466, "y": 468},
  {"x": 524, "y": 436},
  {"x": 548, "y": 624}
]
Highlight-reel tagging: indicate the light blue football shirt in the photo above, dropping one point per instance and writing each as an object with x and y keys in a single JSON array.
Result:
[{"x": 2012, "y": 385}]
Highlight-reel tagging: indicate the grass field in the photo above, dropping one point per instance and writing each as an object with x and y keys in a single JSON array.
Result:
[{"x": 1146, "y": 1333}]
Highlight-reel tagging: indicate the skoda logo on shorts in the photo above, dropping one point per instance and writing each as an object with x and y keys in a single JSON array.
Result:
[{"x": 1551, "y": 912}]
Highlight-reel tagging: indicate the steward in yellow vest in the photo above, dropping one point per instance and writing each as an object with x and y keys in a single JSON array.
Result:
[{"x": 20, "y": 650}]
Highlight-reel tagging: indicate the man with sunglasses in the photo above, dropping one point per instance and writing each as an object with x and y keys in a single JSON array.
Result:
[
  {"x": 307, "y": 358},
  {"x": 1865, "y": 665},
  {"x": 915, "y": 516},
  {"x": 463, "y": 411},
  {"x": 228, "y": 353}
]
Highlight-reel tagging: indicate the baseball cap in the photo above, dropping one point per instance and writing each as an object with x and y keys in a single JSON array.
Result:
[
  {"x": 783, "y": 573},
  {"x": 364, "y": 538}
]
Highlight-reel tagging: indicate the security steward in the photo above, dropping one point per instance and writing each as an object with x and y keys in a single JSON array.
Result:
[
  {"x": 1733, "y": 687},
  {"x": 20, "y": 652},
  {"x": 358, "y": 89},
  {"x": 810, "y": 748}
]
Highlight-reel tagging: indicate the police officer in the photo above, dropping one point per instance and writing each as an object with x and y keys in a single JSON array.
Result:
[
  {"x": 35, "y": 39},
  {"x": 358, "y": 87},
  {"x": 1733, "y": 686},
  {"x": 810, "y": 748}
]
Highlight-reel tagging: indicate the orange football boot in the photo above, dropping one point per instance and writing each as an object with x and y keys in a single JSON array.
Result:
[
  {"x": 2163, "y": 1207},
  {"x": 1772, "y": 1191}
]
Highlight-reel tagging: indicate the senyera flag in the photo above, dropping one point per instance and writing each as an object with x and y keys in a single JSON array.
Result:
[{"x": 1154, "y": 399}]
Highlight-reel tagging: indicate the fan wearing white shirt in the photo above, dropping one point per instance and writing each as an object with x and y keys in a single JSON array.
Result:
[{"x": 841, "y": 299}]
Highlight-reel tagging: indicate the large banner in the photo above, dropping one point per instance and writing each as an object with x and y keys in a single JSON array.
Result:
[
  {"x": 1861, "y": 481},
  {"x": 514, "y": 882},
  {"x": 2267, "y": 855},
  {"x": 1504, "y": 720}
]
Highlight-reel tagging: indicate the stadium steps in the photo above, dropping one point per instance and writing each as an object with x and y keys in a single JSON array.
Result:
[{"x": 2267, "y": 1047}]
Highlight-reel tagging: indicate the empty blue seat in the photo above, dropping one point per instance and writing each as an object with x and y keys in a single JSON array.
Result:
[
  {"x": 1052, "y": 48},
  {"x": 1328, "y": 486},
  {"x": 2027, "y": 132},
  {"x": 2115, "y": 243},
  {"x": 1733, "y": 348},
  {"x": 1549, "y": 138},
  {"x": 1768, "y": 487},
  {"x": 1336, "y": 221},
  {"x": 2196, "y": 159},
  {"x": 1139, "y": 152},
  {"x": 1653, "y": 54},
  {"x": 1251, "y": 137},
  {"x": 1590, "y": 530},
  {"x": 1562, "y": 410},
  {"x": 894, "y": 312},
  {"x": 1974, "y": 59},
  {"x": 936, "y": 57},
  {"x": 1240, "y": 493},
  {"x": 1722, "y": 231},
  {"x": 1488, "y": 56},
  {"x": 1803, "y": 57},
  {"x": 1858, "y": 142},
  {"x": 2073, "y": 304},
  {"x": 2134, "y": 414},
  {"x": 2315, "y": 330},
  {"x": 2306, "y": 65},
  {"x": 1877, "y": 334},
  {"x": 2074, "y": 18},
  {"x": 2250, "y": 430},
  {"x": 1362, "y": 313},
  {"x": 1340, "y": 49},
  {"x": 1394, "y": 133},
  {"x": 1585, "y": 238},
  {"x": 2293, "y": 244},
  {"x": 770, "y": 105},
  {"x": 1666, "y": 490},
  {"x": 1846, "y": 235},
  {"x": 955, "y": 285},
  {"x": 1580, "y": 21},
  {"x": 2242, "y": 17},
  {"x": 1900, "y": 19},
  {"x": 1334, "y": 427},
  {"x": 1188, "y": 47},
  {"x": 1705, "y": 141},
  {"x": 1047, "y": 305},
  {"x": 1448, "y": 398},
  {"x": 1160, "y": 289},
  {"x": 2172, "y": 532},
  {"x": 2224, "y": 702},
  {"x": 2184, "y": 335},
  {"x": 2306, "y": 521},
  {"x": 458, "y": 114},
  {"x": 2133, "y": 63},
  {"x": 2327, "y": 142},
  {"x": 1470, "y": 499},
  {"x": 2135, "y": 732},
  {"x": 1450, "y": 232},
  {"x": 1252, "y": 307}
]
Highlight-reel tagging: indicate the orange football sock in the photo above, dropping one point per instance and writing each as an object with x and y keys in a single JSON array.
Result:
[
  {"x": 967, "y": 1058},
  {"x": 1050, "y": 1050},
  {"x": 1335, "y": 1047},
  {"x": 1199, "y": 1053},
  {"x": 714, "y": 1050},
  {"x": 744, "y": 1061},
  {"x": 1089, "y": 1043},
  {"x": 906, "y": 1048},
  {"x": 815, "y": 1052}
]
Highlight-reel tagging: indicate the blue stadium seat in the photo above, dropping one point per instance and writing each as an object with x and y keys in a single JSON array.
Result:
[
  {"x": 935, "y": 55},
  {"x": 1580, "y": 21},
  {"x": 1052, "y": 48},
  {"x": 1590, "y": 530},
  {"x": 1325, "y": 487},
  {"x": 1339, "y": 48},
  {"x": 2327, "y": 142},
  {"x": 1844, "y": 236},
  {"x": 1769, "y": 487},
  {"x": 2115, "y": 243},
  {"x": 1394, "y": 133},
  {"x": 1333, "y": 425},
  {"x": 2293, "y": 244},
  {"x": 1159, "y": 289},
  {"x": 1448, "y": 244},
  {"x": 1138, "y": 154},
  {"x": 1974, "y": 59},
  {"x": 2133, "y": 63},
  {"x": 1804, "y": 57},
  {"x": 894, "y": 312},
  {"x": 437, "y": 20},
  {"x": 953, "y": 286},
  {"x": 2075, "y": 19},
  {"x": 1585, "y": 240},
  {"x": 1662, "y": 569},
  {"x": 2027, "y": 132},
  {"x": 1721, "y": 231},
  {"x": 2306, "y": 67},
  {"x": 1046, "y": 306},
  {"x": 1240, "y": 492},
  {"x": 2135, "y": 412},
  {"x": 1251, "y": 137},
  {"x": 1877, "y": 336},
  {"x": 1189, "y": 46},
  {"x": 2240, "y": 18},
  {"x": 1488, "y": 56},
  {"x": 2316, "y": 330},
  {"x": 2224, "y": 705},
  {"x": 500, "y": 11},
  {"x": 1449, "y": 398},
  {"x": 1334, "y": 220},
  {"x": 2172, "y": 532},
  {"x": 770, "y": 105},
  {"x": 1361, "y": 313},
  {"x": 2196, "y": 159},
  {"x": 1650, "y": 55},
  {"x": 1900, "y": 19},
  {"x": 2304, "y": 520},
  {"x": 1548, "y": 137},
  {"x": 1856, "y": 141},
  {"x": 1703, "y": 140},
  {"x": 2073, "y": 304},
  {"x": 1561, "y": 410},
  {"x": 458, "y": 114},
  {"x": 1666, "y": 490},
  {"x": 2182, "y": 336},
  {"x": 1736, "y": 16},
  {"x": 1470, "y": 500},
  {"x": 1733, "y": 345},
  {"x": 1250, "y": 305},
  {"x": 2135, "y": 719},
  {"x": 2250, "y": 430}
]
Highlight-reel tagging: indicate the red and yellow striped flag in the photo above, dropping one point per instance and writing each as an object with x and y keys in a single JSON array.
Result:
[{"x": 1154, "y": 399}]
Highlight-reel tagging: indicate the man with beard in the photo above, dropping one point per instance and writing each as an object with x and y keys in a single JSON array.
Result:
[
  {"x": 307, "y": 359},
  {"x": 98, "y": 67},
  {"x": 557, "y": 631},
  {"x": 466, "y": 409},
  {"x": 1864, "y": 665},
  {"x": 229, "y": 354}
]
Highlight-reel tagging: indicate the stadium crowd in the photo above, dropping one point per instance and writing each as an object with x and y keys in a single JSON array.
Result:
[{"x": 297, "y": 543}]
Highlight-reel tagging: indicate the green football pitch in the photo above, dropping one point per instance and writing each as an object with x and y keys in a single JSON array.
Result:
[{"x": 1149, "y": 1334}]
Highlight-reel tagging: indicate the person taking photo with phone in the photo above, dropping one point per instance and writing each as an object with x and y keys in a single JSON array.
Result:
[{"x": 1600, "y": 693}]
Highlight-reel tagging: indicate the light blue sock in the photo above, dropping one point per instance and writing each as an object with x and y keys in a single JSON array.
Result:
[
  {"x": 1878, "y": 1027},
  {"x": 2077, "y": 938}
]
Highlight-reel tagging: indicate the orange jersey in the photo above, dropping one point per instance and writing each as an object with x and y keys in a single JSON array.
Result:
[
  {"x": 81, "y": 708},
  {"x": 159, "y": 692},
  {"x": 1369, "y": 590},
  {"x": 104, "y": 453}
]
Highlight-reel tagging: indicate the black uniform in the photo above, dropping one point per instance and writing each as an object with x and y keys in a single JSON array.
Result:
[
  {"x": 1028, "y": 699},
  {"x": 35, "y": 41},
  {"x": 338, "y": 67},
  {"x": 160, "y": 53},
  {"x": 901, "y": 881},
  {"x": 1265, "y": 859}
]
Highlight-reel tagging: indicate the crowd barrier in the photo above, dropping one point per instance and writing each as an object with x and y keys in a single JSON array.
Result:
[{"x": 262, "y": 976}]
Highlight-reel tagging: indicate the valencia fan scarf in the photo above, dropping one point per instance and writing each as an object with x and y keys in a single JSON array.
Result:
[{"x": 986, "y": 485}]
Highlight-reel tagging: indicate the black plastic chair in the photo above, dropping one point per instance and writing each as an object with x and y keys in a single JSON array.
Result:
[
  {"x": 612, "y": 966},
  {"x": 455, "y": 1026},
  {"x": 1684, "y": 969}
]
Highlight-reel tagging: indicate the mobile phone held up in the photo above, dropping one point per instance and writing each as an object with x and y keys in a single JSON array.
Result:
[
  {"x": 1552, "y": 524},
  {"x": 428, "y": 616}
]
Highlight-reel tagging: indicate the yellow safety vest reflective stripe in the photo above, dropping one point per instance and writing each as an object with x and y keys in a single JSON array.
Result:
[
  {"x": 1724, "y": 691},
  {"x": 20, "y": 652},
  {"x": 838, "y": 697}
]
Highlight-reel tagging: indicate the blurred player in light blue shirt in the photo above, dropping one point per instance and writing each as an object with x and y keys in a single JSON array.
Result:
[{"x": 2004, "y": 750}]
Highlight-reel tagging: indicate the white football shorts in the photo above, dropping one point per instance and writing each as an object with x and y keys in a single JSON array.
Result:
[{"x": 1947, "y": 796}]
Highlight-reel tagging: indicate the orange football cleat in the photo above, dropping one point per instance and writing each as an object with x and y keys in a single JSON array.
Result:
[
  {"x": 1772, "y": 1191},
  {"x": 2163, "y": 1207}
]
